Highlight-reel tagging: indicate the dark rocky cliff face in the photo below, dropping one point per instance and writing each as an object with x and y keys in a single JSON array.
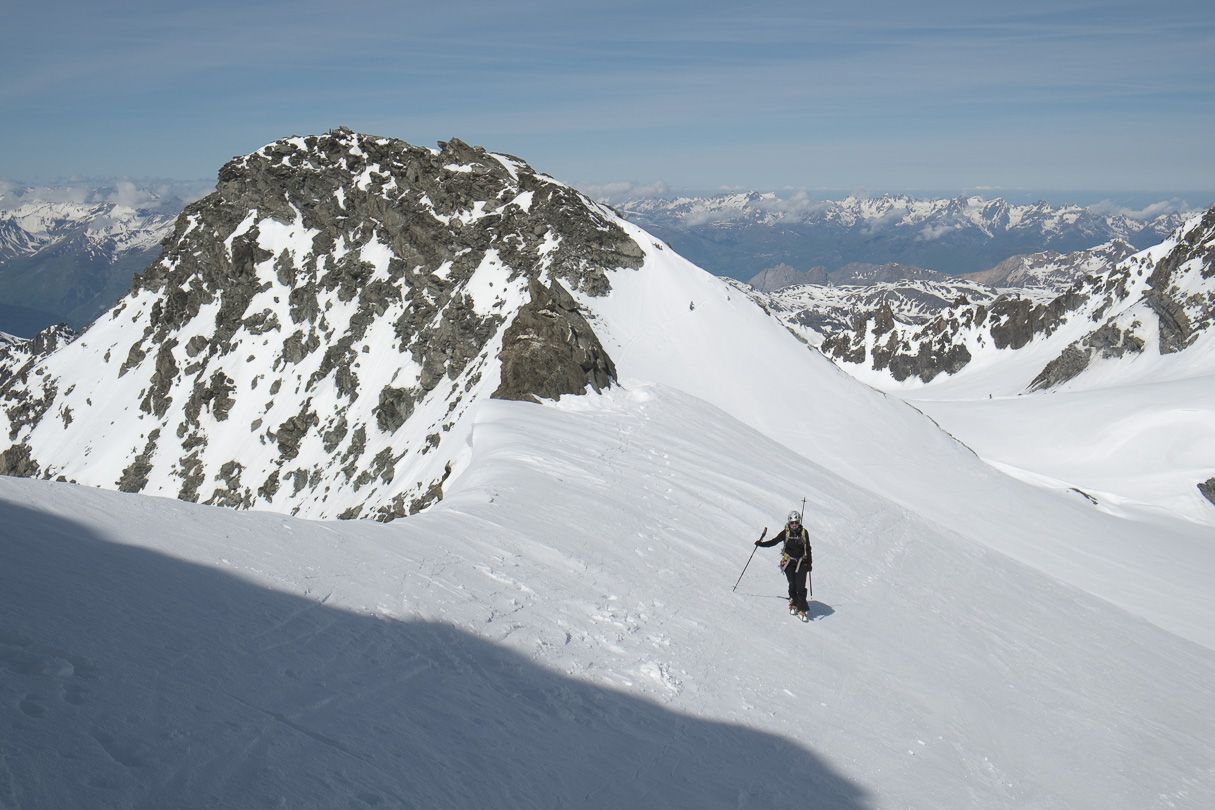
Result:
[
  {"x": 316, "y": 327},
  {"x": 550, "y": 350}
]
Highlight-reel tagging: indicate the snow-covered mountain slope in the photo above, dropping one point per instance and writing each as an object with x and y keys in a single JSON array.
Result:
[
  {"x": 1107, "y": 388},
  {"x": 562, "y": 631},
  {"x": 262, "y": 365},
  {"x": 835, "y": 304},
  {"x": 741, "y": 234},
  {"x": 315, "y": 329},
  {"x": 1157, "y": 302},
  {"x": 106, "y": 226},
  {"x": 1050, "y": 272},
  {"x": 17, "y": 355},
  {"x": 821, "y": 311}
]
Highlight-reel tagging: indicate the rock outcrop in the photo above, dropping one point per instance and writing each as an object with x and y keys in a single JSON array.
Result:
[
  {"x": 550, "y": 350},
  {"x": 315, "y": 329}
]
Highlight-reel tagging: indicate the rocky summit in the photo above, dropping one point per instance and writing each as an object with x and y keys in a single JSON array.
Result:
[{"x": 314, "y": 330}]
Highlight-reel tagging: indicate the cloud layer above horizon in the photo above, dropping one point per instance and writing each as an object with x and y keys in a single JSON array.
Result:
[{"x": 1040, "y": 95}]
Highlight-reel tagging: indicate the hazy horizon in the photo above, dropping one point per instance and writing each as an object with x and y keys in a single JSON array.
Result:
[{"x": 137, "y": 191}]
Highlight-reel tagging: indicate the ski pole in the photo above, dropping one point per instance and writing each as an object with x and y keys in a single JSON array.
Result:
[
  {"x": 740, "y": 576},
  {"x": 810, "y": 573}
]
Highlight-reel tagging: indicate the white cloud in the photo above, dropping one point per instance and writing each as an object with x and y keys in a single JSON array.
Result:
[
  {"x": 153, "y": 194},
  {"x": 14, "y": 196},
  {"x": 930, "y": 233},
  {"x": 128, "y": 195},
  {"x": 711, "y": 216},
  {"x": 1149, "y": 212},
  {"x": 623, "y": 191},
  {"x": 790, "y": 209}
]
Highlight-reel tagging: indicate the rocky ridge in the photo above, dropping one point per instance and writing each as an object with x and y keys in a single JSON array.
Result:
[
  {"x": 1050, "y": 271},
  {"x": 315, "y": 329},
  {"x": 1160, "y": 300},
  {"x": 831, "y": 305}
]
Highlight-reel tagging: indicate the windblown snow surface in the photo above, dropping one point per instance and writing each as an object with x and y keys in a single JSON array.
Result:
[{"x": 563, "y": 628}]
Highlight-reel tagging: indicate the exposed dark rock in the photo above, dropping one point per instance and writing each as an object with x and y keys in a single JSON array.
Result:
[
  {"x": 398, "y": 508},
  {"x": 157, "y": 400},
  {"x": 1111, "y": 341},
  {"x": 1070, "y": 362},
  {"x": 1174, "y": 325},
  {"x": 28, "y": 410},
  {"x": 135, "y": 476},
  {"x": 291, "y": 432},
  {"x": 333, "y": 437},
  {"x": 931, "y": 358},
  {"x": 192, "y": 477},
  {"x": 17, "y": 461},
  {"x": 1108, "y": 341},
  {"x": 550, "y": 350},
  {"x": 395, "y": 407},
  {"x": 1207, "y": 488},
  {"x": 216, "y": 395}
]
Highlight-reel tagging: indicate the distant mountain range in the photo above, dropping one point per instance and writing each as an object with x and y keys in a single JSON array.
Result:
[
  {"x": 822, "y": 305},
  {"x": 741, "y": 235},
  {"x": 65, "y": 258},
  {"x": 68, "y": 260},
  {"x": 1077, "y": 310}
]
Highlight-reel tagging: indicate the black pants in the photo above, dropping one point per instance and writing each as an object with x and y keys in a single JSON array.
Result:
[{"x": 797, "y": 583}]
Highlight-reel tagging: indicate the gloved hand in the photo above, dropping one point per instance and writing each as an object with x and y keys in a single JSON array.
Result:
[{"x": 757, "y": 542}]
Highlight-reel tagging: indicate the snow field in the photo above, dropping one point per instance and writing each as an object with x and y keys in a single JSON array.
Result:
[
  {"x": 563, "y": 629},
  {"x": 727, "y": 352},
  {"x": 563, "y": 626}
]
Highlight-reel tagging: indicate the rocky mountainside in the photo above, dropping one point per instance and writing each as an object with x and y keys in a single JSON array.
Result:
[
  {"x": 854, "y": 273},
  {"x": 1159, "y": 300},
  {"x": 1051, "y": 271},
  {"x": 18, "y": 355},
  {"x": 740, "y": 235},
  {"x": 820, "y": 312},
  {"x": 314, "y": 329},
  {"x": 69, "y": 261},
  {"x": 824, "y": 309}
]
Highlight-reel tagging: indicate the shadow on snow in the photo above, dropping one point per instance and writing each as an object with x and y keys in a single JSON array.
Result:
[{"x": 129, "y": 678}]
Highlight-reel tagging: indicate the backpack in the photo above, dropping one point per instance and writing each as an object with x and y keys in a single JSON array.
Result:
[{"x": 797, "y": 547}]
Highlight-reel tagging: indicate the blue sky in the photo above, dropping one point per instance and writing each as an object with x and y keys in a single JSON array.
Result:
[{"x": 869, "y": 94}]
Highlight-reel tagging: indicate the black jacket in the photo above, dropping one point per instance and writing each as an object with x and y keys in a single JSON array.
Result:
[{"x": 796, "y": 546}]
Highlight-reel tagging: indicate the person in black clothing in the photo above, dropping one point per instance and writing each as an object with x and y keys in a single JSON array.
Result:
[{"x": 796, "y": 560}]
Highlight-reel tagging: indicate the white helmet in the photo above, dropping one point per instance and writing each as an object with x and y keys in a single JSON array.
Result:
[{"x": 795, "y": 516}]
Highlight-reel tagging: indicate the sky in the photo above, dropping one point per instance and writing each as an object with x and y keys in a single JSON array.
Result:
[{"x": 874, "y": 94}]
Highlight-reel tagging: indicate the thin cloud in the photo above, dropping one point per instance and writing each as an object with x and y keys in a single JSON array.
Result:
[
  {"x": 623, "y": 191},
  {"x": 153, "y": 195},
  {"x": 1149, "y": 212}
]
